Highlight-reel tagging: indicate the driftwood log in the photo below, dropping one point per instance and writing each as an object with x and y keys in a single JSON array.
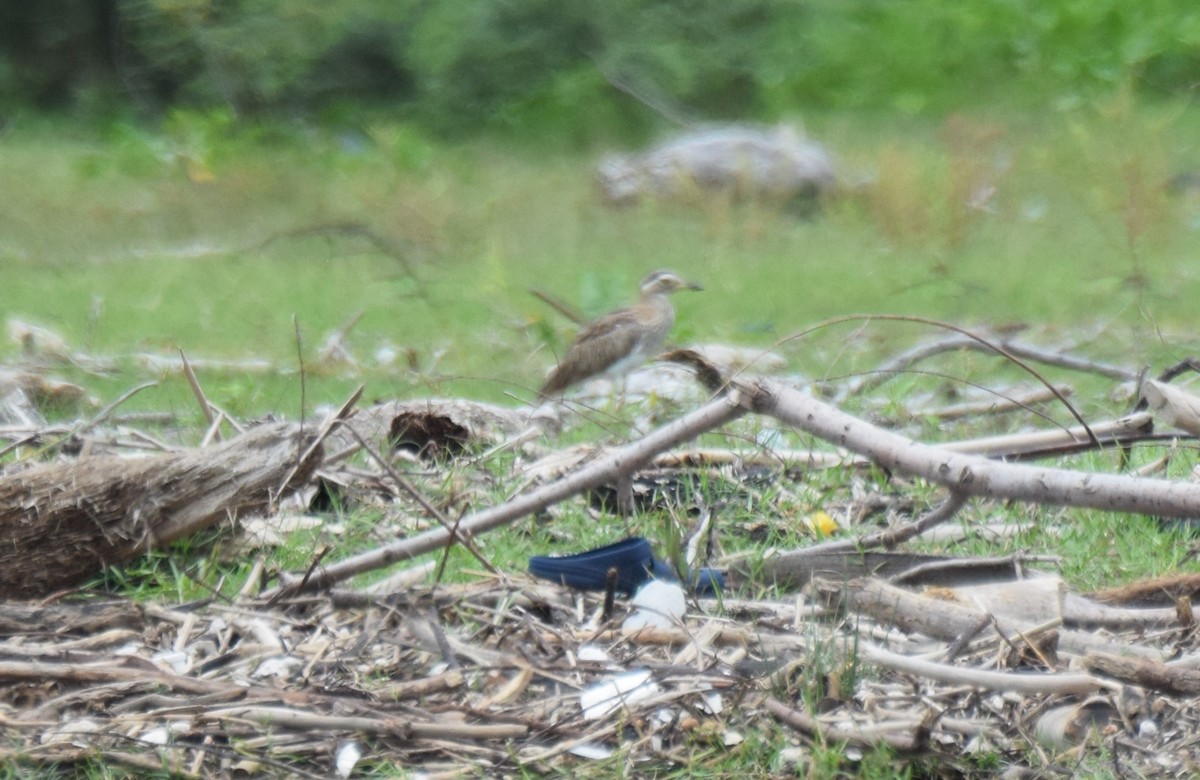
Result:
[{"x": 62, "y": 523}]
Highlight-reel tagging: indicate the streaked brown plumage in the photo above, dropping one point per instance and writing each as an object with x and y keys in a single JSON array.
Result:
[{"x": 623, "y": 339}]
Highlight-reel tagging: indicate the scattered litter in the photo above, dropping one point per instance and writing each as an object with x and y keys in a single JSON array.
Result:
[
  {"x": 622, "y": 690},
  {"x": 348, "y": 755},
  {"x": 592, "y": 751},
  {"x": 658, "y": 604}
]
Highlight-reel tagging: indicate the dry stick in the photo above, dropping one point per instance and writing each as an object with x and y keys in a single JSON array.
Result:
[
  {"x": 560, "y": 307},
  {"x": 947, "y": 620},
  {"x": 429, "y": 508},
  {"x": 774, "y": 458},
  {"x": 998, "y": 348},
  {"x": 92, "y": 674},
  {"x": 892, "y": 537},
  {"x": 213, "y": 432},
  {"x": 326, "y": 428},
  {"x": 962, "y": 640},
  {"x": 998, "y": 405},
  {"x": 925, "y": 572},
  {"x": 407, "y": 729},
  {"x": 312, "y": 566},
  {"x": 905, "y": 736},
  {"x": 1081, "y": 611},
  {"x": 904, "y": 360},
  {"x": 899, "y": 363},
  {"x": 99, "y": 417},
  {"x": 969, "y": 474},
  {"x": 1120, "y": 431},
  {"x": 1063, "y": 360},
  {"x": 58, "y": 755},
  {"x": 1017, "y": 682},
  {"x": 300, "y": 365},
  {"x": 1145, "y": 673},
  {"x": 621, "y": 462},
  {"x": 659, "y": 104},
  {"x": 1151, "y": 592},
  {"x": 381, "y": 243},
  {"x": 887, "y": 538},
  {"x": 194, "y": 383}
]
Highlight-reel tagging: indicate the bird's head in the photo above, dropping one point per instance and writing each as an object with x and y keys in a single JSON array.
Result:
[{"x": 662, "y": 282}]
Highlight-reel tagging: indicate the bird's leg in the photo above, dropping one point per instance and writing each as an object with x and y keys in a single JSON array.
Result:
[{"x": 625, "y": 506}]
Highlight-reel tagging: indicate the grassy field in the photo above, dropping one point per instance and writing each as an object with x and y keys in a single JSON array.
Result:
[
  {"x": 210, "y": 240},
  {"x": 214, "y": 240}
]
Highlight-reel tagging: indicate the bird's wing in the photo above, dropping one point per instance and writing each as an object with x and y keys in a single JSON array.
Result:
[{"x": 597, "y": 348}]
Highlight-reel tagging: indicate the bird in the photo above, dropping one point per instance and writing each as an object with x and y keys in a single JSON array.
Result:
[{"x": 621, "y": 340}]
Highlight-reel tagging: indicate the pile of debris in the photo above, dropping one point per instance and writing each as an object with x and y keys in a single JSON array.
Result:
[{"x": 966, "y": 662}]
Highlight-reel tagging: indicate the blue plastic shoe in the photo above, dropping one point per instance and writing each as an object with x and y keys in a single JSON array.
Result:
[{"x": 634, "y": 562}]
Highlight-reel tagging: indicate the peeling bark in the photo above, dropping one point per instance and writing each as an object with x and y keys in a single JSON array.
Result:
[{"x": 62, "y": 523}]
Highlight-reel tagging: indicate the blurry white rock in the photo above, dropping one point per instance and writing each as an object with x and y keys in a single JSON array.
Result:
[{"x": 743, "y": 160}]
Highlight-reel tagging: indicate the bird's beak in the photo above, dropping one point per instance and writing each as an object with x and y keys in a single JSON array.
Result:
[{"x": 693, "y": 286}]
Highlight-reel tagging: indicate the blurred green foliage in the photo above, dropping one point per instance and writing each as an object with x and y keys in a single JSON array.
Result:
[{"x": 586, "y": 68}]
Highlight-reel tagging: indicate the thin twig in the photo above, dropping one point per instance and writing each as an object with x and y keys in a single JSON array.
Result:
[
  {"x": 560, "y": 307},
  {"x": 891, "y": 537},
  {"x": 198, "y": 391},
  {"x": 326, "y": 428},
  {"x": 429, "y": 508},
  {"x": 300, "y": 365}
]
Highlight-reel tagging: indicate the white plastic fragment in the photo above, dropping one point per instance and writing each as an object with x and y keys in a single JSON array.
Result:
[
  {"x": 713, "y": 702},
  {"x": 793, "y": 756},
  {"x": 591, "y": 750},
  {"x": 348, "y": 754},
  {"x": 593, "y": 654},
  {"x": 605, "y": 698},
  {"x": 177, "y": 661},
  {"x": 277, "y": 666},
  {"x": 657, "y": 604},
  {"x": 663, "y": 717}
]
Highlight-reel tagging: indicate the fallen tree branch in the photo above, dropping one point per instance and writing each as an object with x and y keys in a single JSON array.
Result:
[
  {"x": 946, "y": 620},
  {"x": 797, "y": 568},
  {"x": 1145, "y": 673},
  {"x": 67, "y": 619},
  {"x": 1134, "y": 427},
  {"x": 905, "y": 736},
  {"x": 1017, "y": 682},
  {"x": 1154, "y": 592},
  {"x": 63, "y": 522},
  {"x": 403, "y": 728},
  {"x": 971, "y": 474}
]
